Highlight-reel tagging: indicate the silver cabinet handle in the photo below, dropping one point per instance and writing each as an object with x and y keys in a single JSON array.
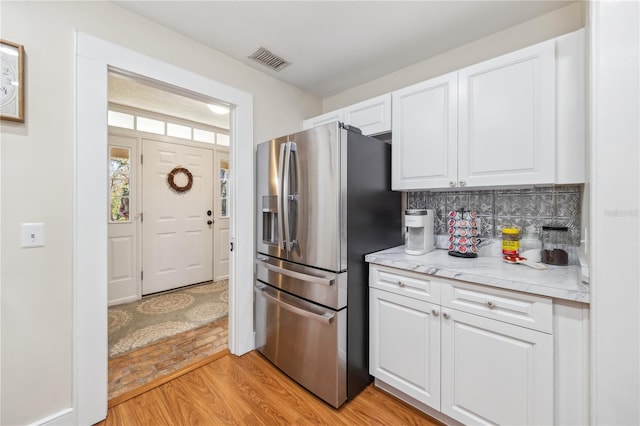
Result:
[
  {"x": 435, "y": 312},
  {"x": 401, "y": 284},
  {"x": 446, "y": 315},
  {"x": 326, "y": 317},
  {"x": 297, "y": 275},
  {"x": 452, "y": 183},
  {"x": 462, "y": 183},
  {"x": 491, "y": 304}
]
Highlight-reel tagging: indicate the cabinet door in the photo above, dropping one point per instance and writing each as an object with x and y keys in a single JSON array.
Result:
[
  {"x": 495, "y": 373},
  {"x": 507, "y": 119},
  {"x": 319, "y": 120},
  {"x": 372, "y": 116},
  {"x": 424, "y": 148},
  {"x": 405, "y": 345}
]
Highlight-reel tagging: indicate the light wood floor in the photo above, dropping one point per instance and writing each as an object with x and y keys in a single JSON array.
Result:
[{"x": 248, "y": 390}]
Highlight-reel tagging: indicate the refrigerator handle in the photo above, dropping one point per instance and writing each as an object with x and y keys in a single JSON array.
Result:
[
  {"x": 297, "y": 275},
  {"x": 325, "y": 317},
  {"x": 286, "y": 192},
  {"x": 294, "y": 174},
  {"x": 281, "y": 218}
]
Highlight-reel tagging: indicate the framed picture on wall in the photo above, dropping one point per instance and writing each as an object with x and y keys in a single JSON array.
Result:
[{"x": 12, "y": 81}]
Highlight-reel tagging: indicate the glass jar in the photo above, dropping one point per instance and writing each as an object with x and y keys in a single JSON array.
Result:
[
  {"x": 555, "y": 245},
  {"x": 510, "y": 241}
]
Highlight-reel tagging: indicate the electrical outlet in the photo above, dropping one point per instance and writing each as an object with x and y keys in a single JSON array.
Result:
[{"x": 32, "y": 235}]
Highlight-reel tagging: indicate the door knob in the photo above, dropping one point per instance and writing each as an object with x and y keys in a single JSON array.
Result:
[
  {"x": 208, "y": 212},
  {"x": 209, "y": 222}
]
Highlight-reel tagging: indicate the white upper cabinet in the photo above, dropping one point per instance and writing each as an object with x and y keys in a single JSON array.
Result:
[
  {"x": 425, "y": 131},
  {"x": 323, "y": 119},
  {"x": 506, "y": 119},
  {"x": 517, "y": 119},
  {"x": 372, "y": 116}
]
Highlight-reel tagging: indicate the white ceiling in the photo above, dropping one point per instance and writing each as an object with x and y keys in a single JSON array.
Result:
[
  {"x": 137, "y": 93},
  {"x": 336, "y": 45}
]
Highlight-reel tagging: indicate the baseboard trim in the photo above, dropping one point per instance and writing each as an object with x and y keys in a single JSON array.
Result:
[
  {"x": 431, "y": 412},
  {"x": 162, "y": 380},
  {"x": 122, "y": 300},
  {"x": 64, "y": 417}
]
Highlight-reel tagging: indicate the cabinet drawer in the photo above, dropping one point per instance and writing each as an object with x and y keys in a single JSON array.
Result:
[
  {"x": 526, "y": 310},
  {"x": 406, "y": 283}
]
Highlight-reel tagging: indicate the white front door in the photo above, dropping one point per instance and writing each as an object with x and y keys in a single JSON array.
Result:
[
  {"x": 122, "y": 273},
  {"x": 221, "y": 214},
  {"x": 177, "y": 238}
]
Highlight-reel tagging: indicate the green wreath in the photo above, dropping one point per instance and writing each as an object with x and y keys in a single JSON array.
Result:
[{"x": 171, "y": 179}]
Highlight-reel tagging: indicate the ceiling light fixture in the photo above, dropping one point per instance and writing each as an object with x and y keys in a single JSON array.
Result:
[{"x": 218, "y": 109}]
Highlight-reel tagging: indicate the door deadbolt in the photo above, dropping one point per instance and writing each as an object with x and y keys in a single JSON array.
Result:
[{"x": 208, "y": 212}]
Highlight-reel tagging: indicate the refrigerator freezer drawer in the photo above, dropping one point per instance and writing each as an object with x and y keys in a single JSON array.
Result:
[
  {"x": 304, "y": 340},
  {"x": 322, "y": 287}
]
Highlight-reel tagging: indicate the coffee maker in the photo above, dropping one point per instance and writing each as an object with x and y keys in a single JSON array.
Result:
[{"x": 419, "y": 231}]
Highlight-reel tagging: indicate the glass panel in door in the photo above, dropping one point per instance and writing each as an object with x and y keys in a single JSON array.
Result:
[
  {"x": 224, "y": 189},
  {"x": 222, "y": 213},
  {"x": 119, "y": 182}
]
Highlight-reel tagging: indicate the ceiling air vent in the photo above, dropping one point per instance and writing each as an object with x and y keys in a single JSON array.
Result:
[{"x": 268, "y": 59}]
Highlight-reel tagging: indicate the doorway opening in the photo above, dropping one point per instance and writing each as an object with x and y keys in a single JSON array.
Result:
[
  {"x": 168, "y": 233},
  {"x": 94, "y": 58}
]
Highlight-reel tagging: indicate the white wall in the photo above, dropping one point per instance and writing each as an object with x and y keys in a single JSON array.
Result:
[
  {"x": 37, "y": 177},
  {"x": 553, "y": 24},
  {"x": 615, "y": 223}
]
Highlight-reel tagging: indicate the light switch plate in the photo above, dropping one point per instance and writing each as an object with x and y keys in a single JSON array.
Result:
[{"x": 32, "y": 235}]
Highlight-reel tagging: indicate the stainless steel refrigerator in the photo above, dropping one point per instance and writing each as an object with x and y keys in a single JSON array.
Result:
[{"x": 324, "y": 200}]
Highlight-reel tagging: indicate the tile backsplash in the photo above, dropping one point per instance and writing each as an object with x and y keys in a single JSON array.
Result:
[{"x": 528, "y": 209}]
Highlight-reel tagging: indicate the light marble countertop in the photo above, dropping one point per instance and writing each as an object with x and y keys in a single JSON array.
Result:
[{"x": 560, "y": 282}]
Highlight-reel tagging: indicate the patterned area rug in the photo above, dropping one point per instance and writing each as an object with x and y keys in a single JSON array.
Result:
[{"x": 137, "y": 324}]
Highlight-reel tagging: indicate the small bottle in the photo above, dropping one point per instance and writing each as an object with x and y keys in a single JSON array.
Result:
[{"x": 510, "y": 241}]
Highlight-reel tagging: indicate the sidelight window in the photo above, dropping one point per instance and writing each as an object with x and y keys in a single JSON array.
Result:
[
  {"x": 119, "y": 181},
  {"x": 224, "y": 189}
]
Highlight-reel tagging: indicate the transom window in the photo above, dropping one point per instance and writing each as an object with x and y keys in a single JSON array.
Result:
[{"x": 151, "y": 123}]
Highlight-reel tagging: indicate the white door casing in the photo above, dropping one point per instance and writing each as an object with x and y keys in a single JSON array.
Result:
[
  {"x": 177, "y": 241},
  {"x": 220, "y": 215},
  {"x": 94, "y": 57},
  {"x": 123, "y": 235}
]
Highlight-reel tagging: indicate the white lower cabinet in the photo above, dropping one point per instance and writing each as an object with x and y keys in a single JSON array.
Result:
[
  {"x": 494, "y": 372},
  {"x": 469, "y": 366},
  {"x": 405, "y": 344}
]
